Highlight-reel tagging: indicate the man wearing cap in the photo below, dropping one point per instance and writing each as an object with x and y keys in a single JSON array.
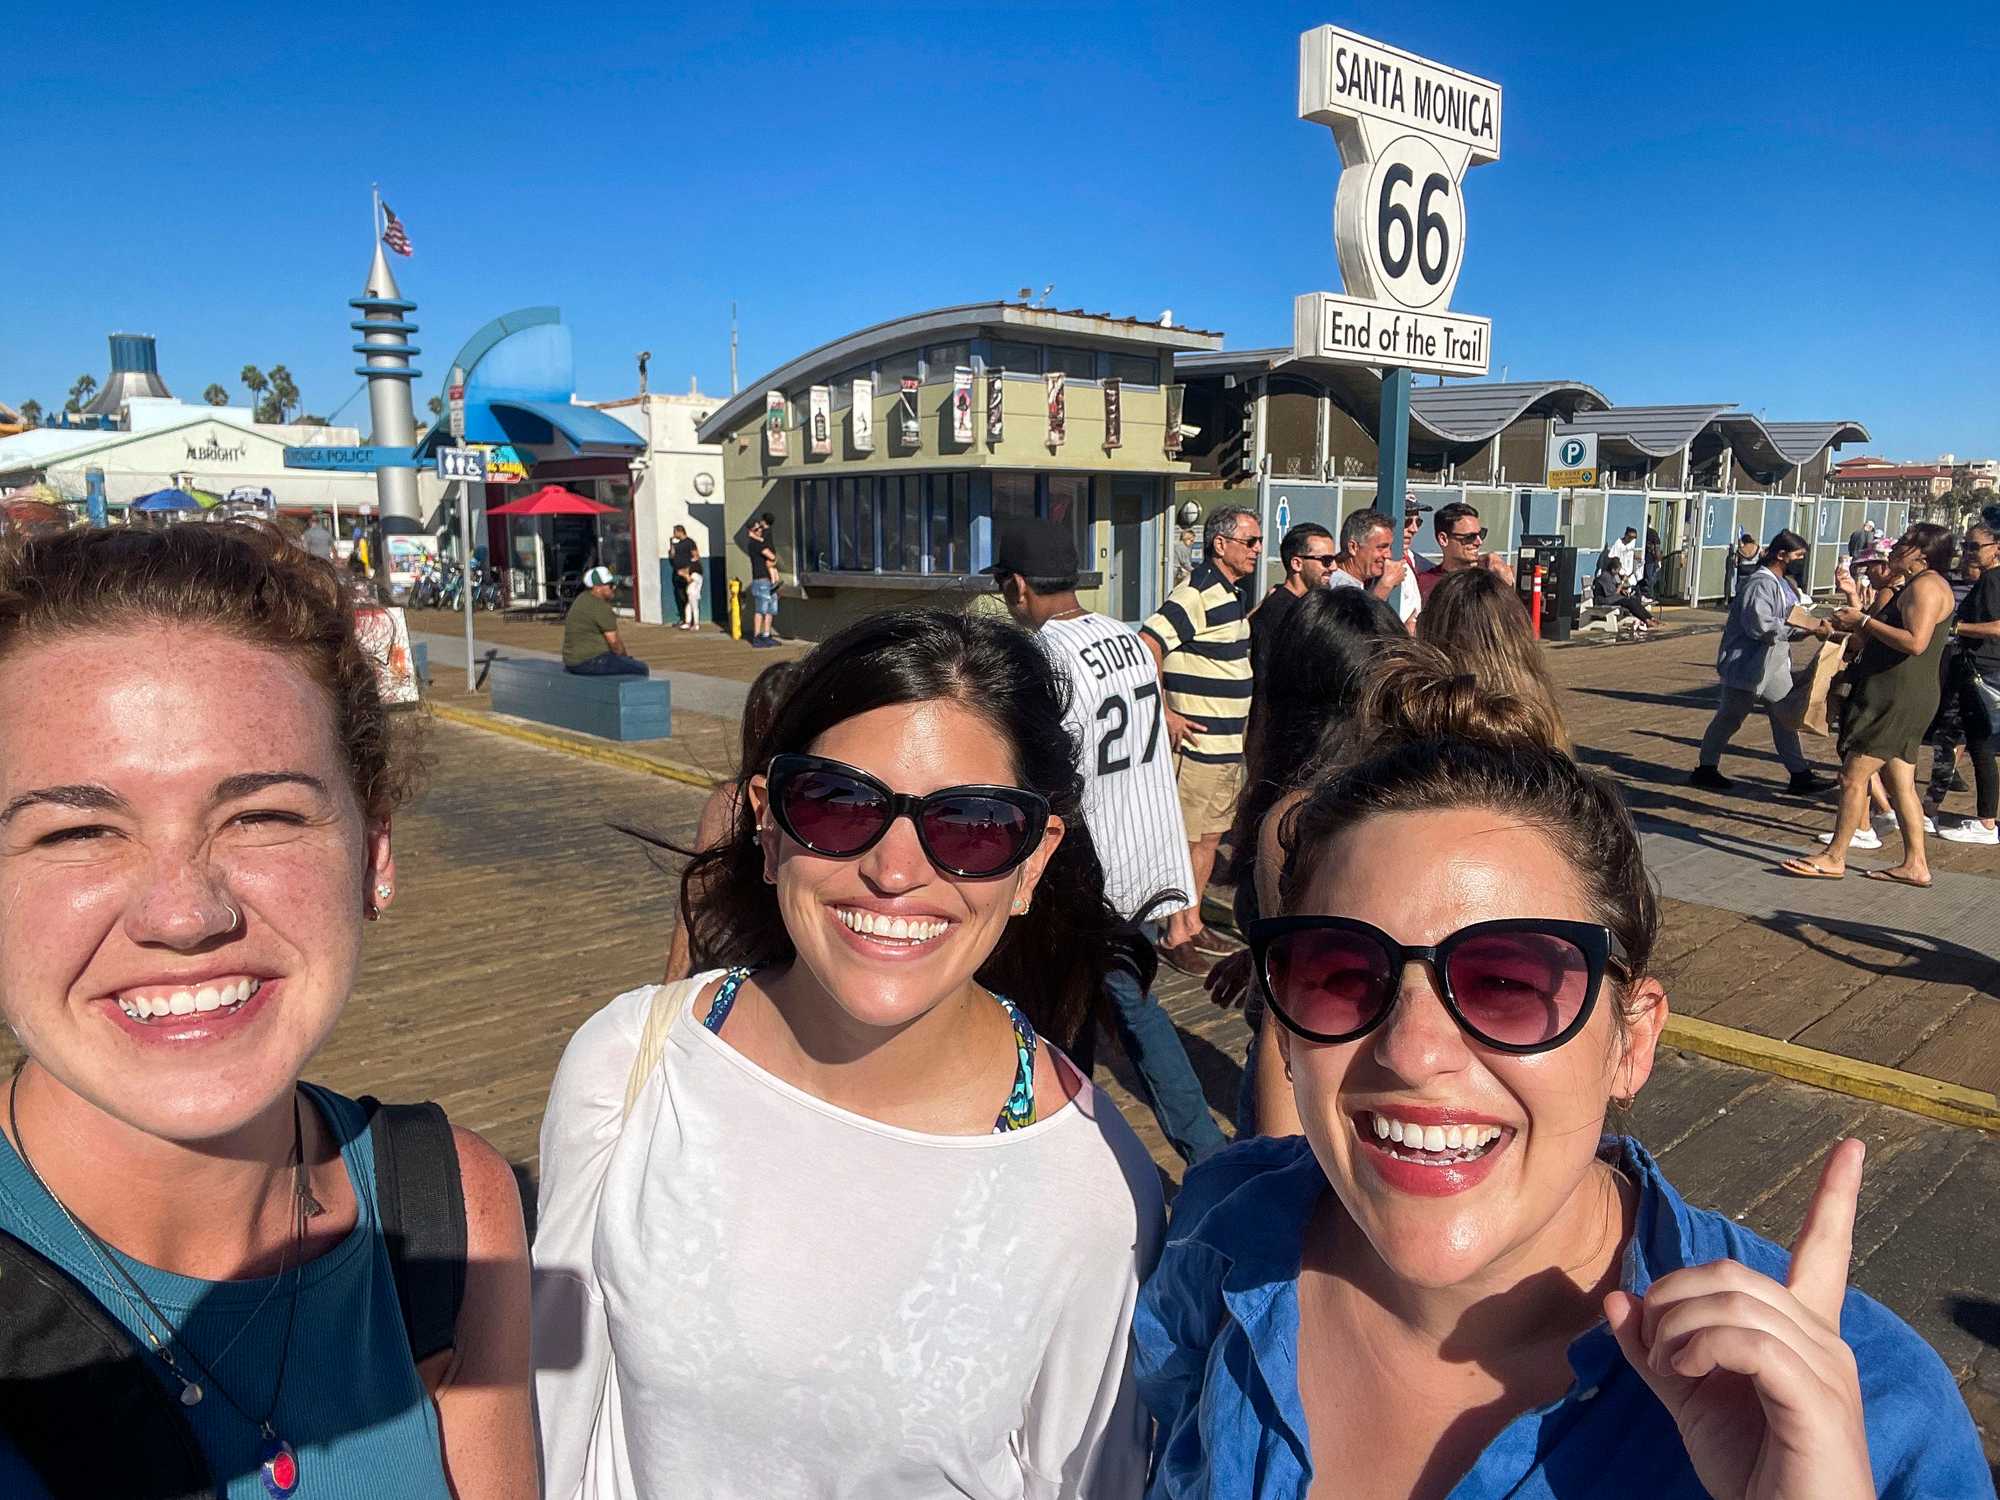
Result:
[
  {"x": 591, "y": 647},
  {"x": 1862, "y": 540},
  {"x": 1408, "y": 600},
  {"x": 1460, "y": 534},
  {"x": 1130, "y": 805}
]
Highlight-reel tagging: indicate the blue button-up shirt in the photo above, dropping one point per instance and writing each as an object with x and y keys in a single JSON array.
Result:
[{"x": 1217, "y": 1334}]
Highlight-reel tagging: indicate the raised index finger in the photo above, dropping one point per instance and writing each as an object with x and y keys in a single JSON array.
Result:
[{"x": 1825, "y": 1245}]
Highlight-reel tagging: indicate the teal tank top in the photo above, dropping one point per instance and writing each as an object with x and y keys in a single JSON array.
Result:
[{"x": 353, "y": 1407}]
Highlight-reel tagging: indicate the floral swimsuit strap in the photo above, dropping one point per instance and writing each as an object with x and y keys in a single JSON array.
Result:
[{"x": 1019, "y": 1110}]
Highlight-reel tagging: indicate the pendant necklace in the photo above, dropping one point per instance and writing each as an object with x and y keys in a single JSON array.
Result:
[{"x": 279, "y": 1463}]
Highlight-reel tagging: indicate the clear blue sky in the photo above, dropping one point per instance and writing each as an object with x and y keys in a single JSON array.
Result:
[{"x": 1789, "y": 206}]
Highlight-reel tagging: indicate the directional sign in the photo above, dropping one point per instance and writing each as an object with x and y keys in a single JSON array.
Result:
[
  {"x": 1407, "y": 129},
  {"x": 468, "y": 464},
  {"x": 1572, "y": 460},
  {"x": 355, "y": 460}
]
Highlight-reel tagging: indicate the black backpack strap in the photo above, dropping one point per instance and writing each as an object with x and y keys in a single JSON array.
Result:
[
  {"x": 420, "y": 1203},
  {"x": 79, "y": 1400}
]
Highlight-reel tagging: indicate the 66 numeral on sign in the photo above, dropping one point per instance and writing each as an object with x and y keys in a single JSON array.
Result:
[
  {"x": 1428, "y": 230},
  {"x": 1402, "y": 220}
]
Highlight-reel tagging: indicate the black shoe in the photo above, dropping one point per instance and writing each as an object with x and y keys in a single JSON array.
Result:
[
  {"x": 1710, "y": 780},
  {"x": 1808, "y": 784}
]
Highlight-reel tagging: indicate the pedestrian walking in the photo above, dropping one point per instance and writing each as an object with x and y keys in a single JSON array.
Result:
[
  {"x": 591, "y": 644},
  {"x": 765, "y": 573},
  {"x": 1862, "y": 538},
  {"x": 1737, "y": 564},
  {"x": 1754, "y": 662},
  {"x": 1649, "y": 580},
  {"x": 836, "y": 1215},
  {"x": 1130, "y": 802},
  {"x": 1892, "y": 695},
  {"x": 1306, "y": 551},
  {"x": 724, "y": 807},
  {"x": 1462, "y": 973},
  {"x": 1200, "y": 642},
  {"x": 1976, "y": 680},
  {"x": 685, "y": 557},
  {"x": 208, "y": 1286},
  {"x": 318, "y": 538},
  {"x": 1301, "y": 724}
]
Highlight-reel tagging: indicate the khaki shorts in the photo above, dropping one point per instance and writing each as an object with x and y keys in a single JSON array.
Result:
[{"x": 1208, "y": 795}]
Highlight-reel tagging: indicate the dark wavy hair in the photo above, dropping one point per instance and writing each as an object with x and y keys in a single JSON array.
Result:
[
  {"x": 1310, "y": 683},
  {"x": 1052, "y": 960},
  {"x": 241, "y": 579},
  {"x": 1934, "y": 543}
]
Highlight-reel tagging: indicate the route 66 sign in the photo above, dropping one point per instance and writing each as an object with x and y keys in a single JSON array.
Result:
[{"x": 1407, "y": 130}]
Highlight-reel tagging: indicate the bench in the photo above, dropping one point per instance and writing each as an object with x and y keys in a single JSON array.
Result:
[{"x": 612, "y": 708}]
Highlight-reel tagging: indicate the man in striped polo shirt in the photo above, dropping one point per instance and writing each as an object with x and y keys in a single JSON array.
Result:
[{"x": 1201, "y": 639}]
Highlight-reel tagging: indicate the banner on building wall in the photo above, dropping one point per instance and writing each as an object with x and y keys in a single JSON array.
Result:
[
  {"x": 861, "y": 419},
  {"x": 1176, "y": 404},
  {"x": 996, "y": 406},
  {"x": 961, "y": 404},
  {"x": 819, "y": 412},
  {"x": 774, "y": 423},
  {"x": 906, "y": 413},
  {"x": 1114, "y": 414},
  {"x": 1058, "y": 408}
]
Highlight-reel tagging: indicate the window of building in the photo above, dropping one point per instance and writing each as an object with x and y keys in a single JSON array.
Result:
[
  {"x": 1135, "y": 369},
  {"x": 1067, "y": 503},
  {"x": 891, "y": 368},
  {"x": 854, "y": 525},
  {"x": 1077, "y": 364},
  {"x": 941, "y": 359},
  {"x": 948, "y": 522},
  {"x": 1013, "y": 497},
  {"x": 1021, "y": 359},
  {"x": 816, "y": 524}
]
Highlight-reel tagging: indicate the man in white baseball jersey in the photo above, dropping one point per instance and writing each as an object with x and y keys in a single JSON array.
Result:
[{"x": 1131, "y": 803}]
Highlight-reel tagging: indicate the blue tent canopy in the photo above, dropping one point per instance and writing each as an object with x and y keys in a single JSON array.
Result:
[{"x": 167, "y": 500}]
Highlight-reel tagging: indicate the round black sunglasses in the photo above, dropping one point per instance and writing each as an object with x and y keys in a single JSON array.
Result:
[
  {"x": 1519, "y": 985},
  {"x": 841, "y": 812}
]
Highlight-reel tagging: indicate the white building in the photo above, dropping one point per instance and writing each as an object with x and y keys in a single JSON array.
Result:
[
  {"x": 167, "y": 443},
  {"x": 679, "y": 483}
]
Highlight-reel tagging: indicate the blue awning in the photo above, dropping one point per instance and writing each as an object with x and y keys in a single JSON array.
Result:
[{"x": 585, "y": 428}]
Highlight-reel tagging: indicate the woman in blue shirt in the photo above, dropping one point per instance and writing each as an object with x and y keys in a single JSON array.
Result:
[{"x": 1450, "y": 1285}]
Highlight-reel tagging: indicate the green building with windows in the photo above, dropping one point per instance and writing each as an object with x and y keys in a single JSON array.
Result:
[{"x": 966, "y": 416}]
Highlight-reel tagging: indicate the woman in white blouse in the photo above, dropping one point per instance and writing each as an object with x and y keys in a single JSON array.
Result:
[{"x": 836, "y": 1217}]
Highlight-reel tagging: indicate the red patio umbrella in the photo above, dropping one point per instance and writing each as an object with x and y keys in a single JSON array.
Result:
[{"x": 552, "y": 500}]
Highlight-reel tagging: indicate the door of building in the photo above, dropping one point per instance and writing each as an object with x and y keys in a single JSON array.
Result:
[{"x": 1125, "y": 590}]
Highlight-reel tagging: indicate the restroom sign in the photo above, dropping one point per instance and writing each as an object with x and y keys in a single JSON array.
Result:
[
  {"x": 1572, "y": 460},
  {"x": 1407, "y": 129}
]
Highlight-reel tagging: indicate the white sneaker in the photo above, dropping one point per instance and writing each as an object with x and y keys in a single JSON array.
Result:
[
  {"x": 1864, "y": 838},
  {"x": 1971, "y": 831}
]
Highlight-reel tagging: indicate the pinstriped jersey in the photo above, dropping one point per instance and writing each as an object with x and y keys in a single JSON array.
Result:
[
  {"x": 1204, "y": 635},
  {"x": 1130, "y": 802}
]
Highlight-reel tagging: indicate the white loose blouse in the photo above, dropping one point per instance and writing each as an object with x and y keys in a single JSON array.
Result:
[{"x": 742, "y": 1290}]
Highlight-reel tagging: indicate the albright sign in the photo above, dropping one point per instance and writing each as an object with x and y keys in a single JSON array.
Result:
[{"x": 1407, "y": 129}]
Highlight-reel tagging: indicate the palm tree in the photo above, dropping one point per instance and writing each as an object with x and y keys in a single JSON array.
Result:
[
  {"x": 31, "y": 412},
  {"x": 81, "y": 392},
  {"x": 284, "y": 392},
  {"x": 215, "y": 395}
]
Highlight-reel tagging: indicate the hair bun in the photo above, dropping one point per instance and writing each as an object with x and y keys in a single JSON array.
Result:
[{"x": 1415, "y": 692}]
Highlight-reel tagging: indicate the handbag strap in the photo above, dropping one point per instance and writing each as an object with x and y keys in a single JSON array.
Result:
[{"x": 420, "y": 1204}]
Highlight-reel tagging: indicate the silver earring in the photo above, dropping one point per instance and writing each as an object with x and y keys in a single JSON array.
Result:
[{"x": 384, "y": 891}]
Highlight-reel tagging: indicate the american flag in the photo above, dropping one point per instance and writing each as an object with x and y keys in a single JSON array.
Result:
[{"x": 393, "y": 234}]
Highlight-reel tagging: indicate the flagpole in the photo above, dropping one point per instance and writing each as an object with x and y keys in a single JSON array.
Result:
[{"x": 376, "y": 218}]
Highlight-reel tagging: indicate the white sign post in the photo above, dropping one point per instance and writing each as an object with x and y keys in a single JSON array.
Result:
[
  {"x": 468, "y": 467},
  {"x": 1407, "y": 129}
]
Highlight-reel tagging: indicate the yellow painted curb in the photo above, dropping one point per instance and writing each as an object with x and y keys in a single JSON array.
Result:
[
  {"x": 1931, "y": 1097},
  {"x": 606, "y": 755}
]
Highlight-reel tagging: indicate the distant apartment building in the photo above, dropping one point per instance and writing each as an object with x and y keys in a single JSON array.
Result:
[{"x": 1868, "y": 478}]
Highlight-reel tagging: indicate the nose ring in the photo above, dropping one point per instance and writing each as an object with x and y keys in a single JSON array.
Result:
[{"x": 235, "y": 917}]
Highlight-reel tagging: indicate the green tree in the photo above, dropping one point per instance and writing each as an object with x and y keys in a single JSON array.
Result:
[
  {"x": 81, "y": 392},
  {"x": 436, "y": 404},
  {"x": 254, "y": 381},
  {"x": 284, "y": 393},
  {"x": 31, "y": 412},
  {"x": 215, "y": 395}
]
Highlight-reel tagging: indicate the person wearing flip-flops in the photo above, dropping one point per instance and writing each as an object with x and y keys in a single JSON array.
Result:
[{"x": 1892, "y": 698}]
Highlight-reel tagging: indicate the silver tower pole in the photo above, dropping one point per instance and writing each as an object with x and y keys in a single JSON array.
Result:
[{"x": 385, "y": 330}]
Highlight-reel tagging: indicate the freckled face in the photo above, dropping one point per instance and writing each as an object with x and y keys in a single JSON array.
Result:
[
  {"x": 1420, "y": 877},
  {"x": 950, "y": 925},
  {"x": 182, "y": 824}
]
